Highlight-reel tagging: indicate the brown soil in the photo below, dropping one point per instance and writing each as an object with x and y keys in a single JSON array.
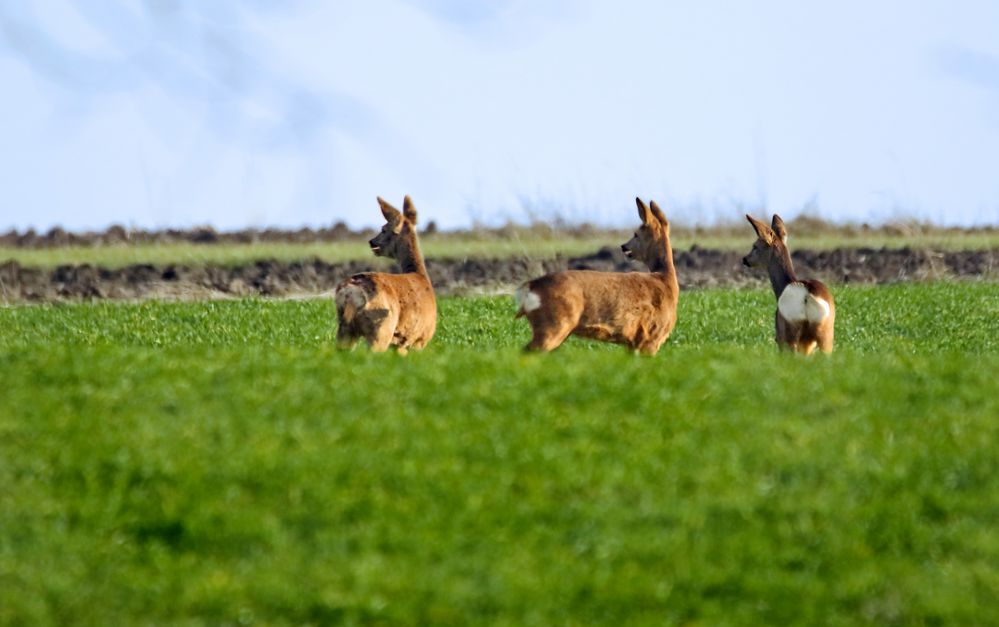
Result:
[
  {"x": 117, "y": 235},
  {"x": 338, "y": 232},
  {"x": 697, "y": 267}
]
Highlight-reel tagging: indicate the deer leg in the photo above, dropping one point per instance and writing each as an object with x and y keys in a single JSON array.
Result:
[
  {"x": 382, "y": 333},
  {"x": 553, "y": 322},
  {"x": 649, "y": 346},
  {"x": 644, "y": 342},
  {"x": 548, "y": 334},
  {"x": 793, "y": 337},
  {"x": 346, "y": 335},
  {"x": 808, "y": 338},
  {"x": 548, "y": 341},
  {"x": 345, "y": 339},
  {"x": 381, "y": 339},
  {"x": 825, "y": 335},
  {"x": 826, "y": 344}
]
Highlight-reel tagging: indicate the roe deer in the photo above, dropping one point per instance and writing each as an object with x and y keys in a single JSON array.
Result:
[
  {"x": 637, "y": 309},
  {"x": 805, "y": 309},
  {"x": 389, "y": 309}
]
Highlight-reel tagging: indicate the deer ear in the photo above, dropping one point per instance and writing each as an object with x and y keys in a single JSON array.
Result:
[
  {"x": 408, "y": 210},
  {"x": 392, "y": 215},
  {"x": 643, "y": 211},
  {"x": 658, "y": 213},
  {"x": 762, "y": 230},
  {"x": 779, "y": 229}
]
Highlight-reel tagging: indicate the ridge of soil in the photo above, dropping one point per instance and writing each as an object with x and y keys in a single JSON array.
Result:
[
  {"x": 117, "y": 235},
  {"x": 697, "y": 267}
]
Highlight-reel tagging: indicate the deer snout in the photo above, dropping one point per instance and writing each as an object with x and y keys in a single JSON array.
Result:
[
  {"x": 373, "y": 243},
  {"x": 626, "y": 250},
  {"x": 746, "y": 262}
]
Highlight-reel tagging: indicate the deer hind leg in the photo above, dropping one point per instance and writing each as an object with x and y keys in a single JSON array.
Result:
[
  {"x": 650, "y": 346},
  {"x": 812, "y": 337},
  {"x": 647, "y": 339},
  {"x": 825, "y": 334},
  {"x": 552, "y": 321},
  {"x": 420, "y": 343},
  {"x": 802, "y": 343},
  {"x": 382, "y": 334},
  {"x": 826, "y": 343},
  {"x": 548, "y": 337},
  {"x": 549, "y": 331},
  {"x": 346, "y": 337},
  {"x": 550, "y": 328},
  {"x": 347, "y": 331},
  {"x": 378, "y": 327},
  {"x": 793, "y": 337}
]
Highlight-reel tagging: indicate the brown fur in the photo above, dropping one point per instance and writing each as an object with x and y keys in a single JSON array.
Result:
[
  {"x": 389, "y": 309},
  {"x": 770, "y": 252},
  {"x": 637, "y": 309}
]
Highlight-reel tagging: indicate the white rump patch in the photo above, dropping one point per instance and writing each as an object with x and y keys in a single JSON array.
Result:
[
  {"x": 817, "y": 309},
  {"x": 527, "y": 300},
  {"x": 797, "y": 304},
  {"x": 352, "y": 294},
  {"x": 349, "y": 300}
]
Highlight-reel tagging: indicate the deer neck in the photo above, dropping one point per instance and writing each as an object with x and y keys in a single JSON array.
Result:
[
  {"x": 410, "y": 259},
  {"x": 662, "y": 263},
  {"x": 781, "y": 271}
]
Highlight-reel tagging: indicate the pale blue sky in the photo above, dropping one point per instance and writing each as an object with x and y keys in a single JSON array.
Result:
[{"x": 238, "y": 113}]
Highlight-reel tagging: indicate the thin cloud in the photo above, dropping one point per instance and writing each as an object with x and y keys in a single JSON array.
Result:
[
  {"x": 202, "y": 55},
  {"x": 971, "y": 66},
  {"x": 500, "y": 22}
]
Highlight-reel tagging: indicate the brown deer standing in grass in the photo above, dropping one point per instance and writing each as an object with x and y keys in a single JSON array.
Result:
[
  {"x": 389, "y": 309},
  {"x": 637, "y": 309},
  {"x": 806, "y": 312}
]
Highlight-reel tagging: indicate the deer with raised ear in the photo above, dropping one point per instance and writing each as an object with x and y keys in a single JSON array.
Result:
[
  {"x": 389, "y": 309},
  {"x": 806, "y": 311},
  {"x": 637, "y": 309}
]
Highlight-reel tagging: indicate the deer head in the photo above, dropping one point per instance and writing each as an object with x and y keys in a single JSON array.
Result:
[
  {"x": 770, "y": 245},
  {"x": 648, "y": 243},
  {"x": 398, "y": 236}
]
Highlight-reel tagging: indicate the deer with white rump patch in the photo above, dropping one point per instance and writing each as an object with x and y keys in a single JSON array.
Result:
[
  {"x": 637, "y": 309},
  {"x": 806, "y": 312},
  {"x": 389, "y": 309}
]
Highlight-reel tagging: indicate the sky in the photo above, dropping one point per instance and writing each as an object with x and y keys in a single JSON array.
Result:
[{"x": 173, "y": 113}]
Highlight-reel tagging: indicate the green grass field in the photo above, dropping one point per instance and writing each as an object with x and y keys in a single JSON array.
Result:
[
  {"x": 456, "y": 246},
  {"x": 220, "y": 463}
]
